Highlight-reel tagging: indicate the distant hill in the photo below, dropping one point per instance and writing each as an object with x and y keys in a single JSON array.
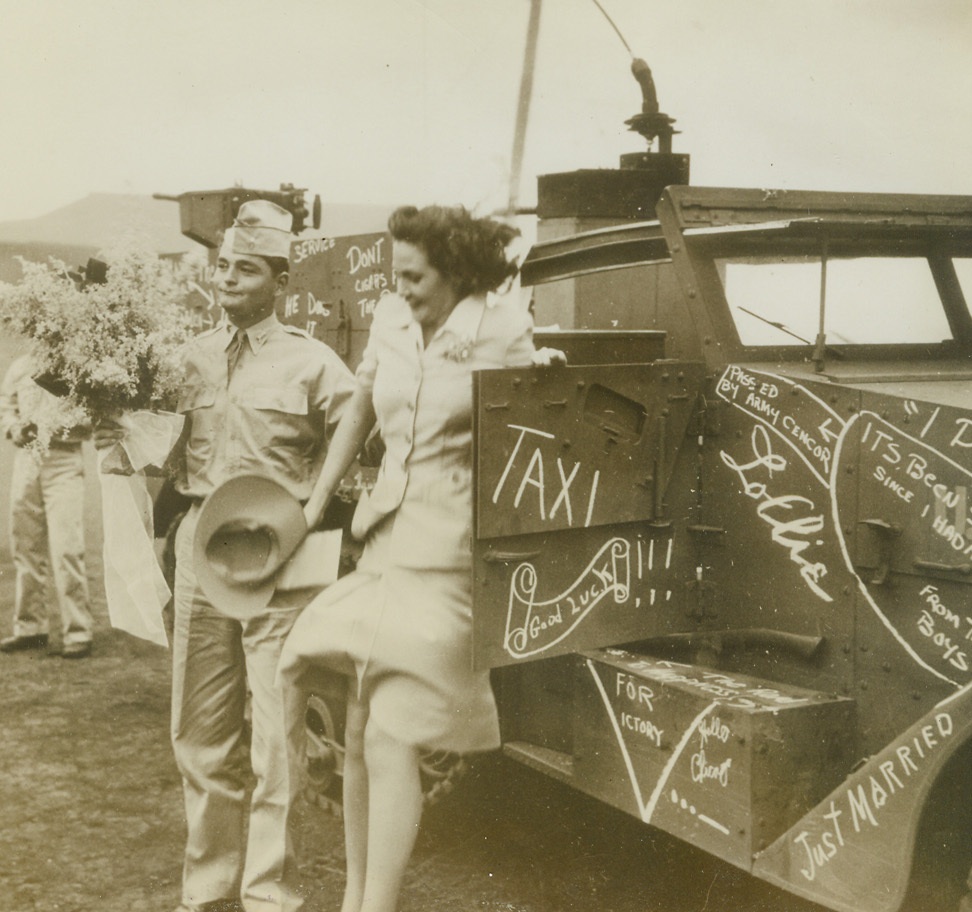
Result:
[{"x": 102, "y": 220}]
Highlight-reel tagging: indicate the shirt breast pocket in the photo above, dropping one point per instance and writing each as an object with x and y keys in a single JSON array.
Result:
[
  {"x": 196, "y": 403},
  {"x": 278, "y": 416}
]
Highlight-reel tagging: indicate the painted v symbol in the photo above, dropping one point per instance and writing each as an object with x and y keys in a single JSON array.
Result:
[{"x": 647, "y": 808}]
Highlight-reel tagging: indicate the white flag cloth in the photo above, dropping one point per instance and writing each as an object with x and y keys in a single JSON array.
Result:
[{"x": 135, "y": 589}]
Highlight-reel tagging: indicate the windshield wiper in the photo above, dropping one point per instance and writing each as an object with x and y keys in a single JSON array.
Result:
[
  {"x": 782, "y": 327},
  {"x": 775, "y": 324}
]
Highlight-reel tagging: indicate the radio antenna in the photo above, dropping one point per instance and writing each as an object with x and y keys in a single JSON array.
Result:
[
  {"x": 617, "y": 31},
  {"x": 651, "y": 123}
]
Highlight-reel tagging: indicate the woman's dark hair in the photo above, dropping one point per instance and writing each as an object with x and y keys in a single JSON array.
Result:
[{"x": 469, "y": 252}]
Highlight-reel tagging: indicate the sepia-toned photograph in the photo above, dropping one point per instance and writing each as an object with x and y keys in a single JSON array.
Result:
[{"x": 504, "y": 456}]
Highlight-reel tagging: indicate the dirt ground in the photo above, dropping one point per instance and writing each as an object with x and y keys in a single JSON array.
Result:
[
  {"x": 91, "y": 808},
  {"x": 91, "y": 813}
]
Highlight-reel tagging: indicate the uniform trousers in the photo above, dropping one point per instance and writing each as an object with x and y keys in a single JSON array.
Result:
[
  {"x": 47, "y": 537},
  {"x": 235, "y": 847}
]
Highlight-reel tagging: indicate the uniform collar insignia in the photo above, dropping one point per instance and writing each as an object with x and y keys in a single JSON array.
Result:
[{"x": 258, "y": 333}]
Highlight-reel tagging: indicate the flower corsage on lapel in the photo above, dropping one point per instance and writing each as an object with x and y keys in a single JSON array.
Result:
[
  {"x": 459, "y": 349},
  {"x": 461, "y": 329}
]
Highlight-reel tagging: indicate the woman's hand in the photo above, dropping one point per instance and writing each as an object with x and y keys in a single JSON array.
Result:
[
  {"x": 352, "y": 431},
  {"x": 545, "y": 357},
  {"x": 314, "y": 512}
]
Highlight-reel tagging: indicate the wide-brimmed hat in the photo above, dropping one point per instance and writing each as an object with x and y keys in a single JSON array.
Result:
[
  {"x": 246, "y": 530},
  {"x": 261, "y": 228}
]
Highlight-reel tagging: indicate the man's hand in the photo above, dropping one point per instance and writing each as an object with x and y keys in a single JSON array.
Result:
[
  {"x": 107, "y": 433},
  {"x": 23, "y": 434}
]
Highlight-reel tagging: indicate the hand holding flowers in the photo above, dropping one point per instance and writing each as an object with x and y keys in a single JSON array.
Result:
[
  {"x": 102, "y": 348},
  {"x": 110, "y": 352}
]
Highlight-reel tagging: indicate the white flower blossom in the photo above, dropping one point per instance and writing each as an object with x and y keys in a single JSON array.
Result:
[
  {"x": 460, "y": 349},
  {"x": 103, "y": 348}
]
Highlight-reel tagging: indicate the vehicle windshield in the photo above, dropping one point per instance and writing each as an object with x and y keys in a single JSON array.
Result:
[
  {"x": 963, "y": 269},
  {"x": 775, "y": 300}
]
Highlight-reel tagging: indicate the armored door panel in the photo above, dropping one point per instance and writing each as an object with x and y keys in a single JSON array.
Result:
[
  {"x": 849, "y": 504},
  {"x": 772, "y": 556},
  {"x": 574, "y": 548},
  {"x": 541, "y": 595},
  {"x": 575, "y": 447},
  {"x": 910, "y": 542}
]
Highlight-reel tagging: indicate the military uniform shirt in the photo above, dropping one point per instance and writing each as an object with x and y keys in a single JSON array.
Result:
[{"x": 272, "y": 416}]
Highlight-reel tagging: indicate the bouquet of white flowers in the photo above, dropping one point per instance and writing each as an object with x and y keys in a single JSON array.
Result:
[
  {"x": 103, "y": 347},
  {"x": 110, "y": 349}
]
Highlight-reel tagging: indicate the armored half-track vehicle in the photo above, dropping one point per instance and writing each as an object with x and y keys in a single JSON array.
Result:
[{"x": 723, "y": 559}]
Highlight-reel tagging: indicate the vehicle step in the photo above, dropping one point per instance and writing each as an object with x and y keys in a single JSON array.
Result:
[
  {"x": 554, "y": 763},
  {"x": 726, "y": 761}
]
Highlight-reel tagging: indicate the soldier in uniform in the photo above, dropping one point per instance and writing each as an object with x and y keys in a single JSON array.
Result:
[
  {"x": 260, "y": 398},
  {"x": 46, "y": 521}
]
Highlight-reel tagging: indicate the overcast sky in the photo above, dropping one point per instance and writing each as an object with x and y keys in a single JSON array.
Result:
[{"x": 396, "y": 101}]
